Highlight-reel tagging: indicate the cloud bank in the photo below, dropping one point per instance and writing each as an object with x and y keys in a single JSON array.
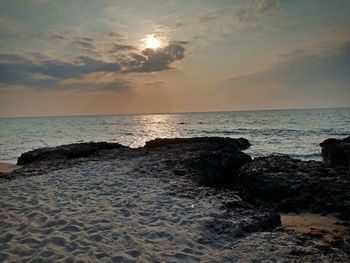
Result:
[{"x": 104, "y": 55}]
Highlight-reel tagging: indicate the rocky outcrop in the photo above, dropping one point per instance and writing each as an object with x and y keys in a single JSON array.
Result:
[
  {"x": 213, "y": 160},
  {"x": 218, "y": 168},
  {"x": 291, "y": 185},
  {"x": 70, "y": 151},
  {"x": 336, "y": 151},
  {"x": 215, "y": 142}
]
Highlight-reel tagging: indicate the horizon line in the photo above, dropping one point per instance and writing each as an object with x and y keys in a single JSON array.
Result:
[{"x": 177, "y": 112}]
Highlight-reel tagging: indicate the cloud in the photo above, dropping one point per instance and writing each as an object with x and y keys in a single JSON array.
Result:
[
  {"x": 263, "y": 6},
  {"x": 106, "y": 47},
  {"x": 13, "y": 58},
  {"x": 37, "y": 2},
  {"x": 40, "y": 71},
  {"x": 9, "y": 25},
  {"x": 220, "y": 23},
  {"x": 113, "y": 48},
  {"x": 52, "y": 36},
  {"x": 116, "y": 48},
  {"x": 240, "y": 13},
  {"x": 160, "y": 59},
  {"x": 20, "y": 70},
  {"x": 304, "y": 74},
  {"x": 85, "y": 43}
]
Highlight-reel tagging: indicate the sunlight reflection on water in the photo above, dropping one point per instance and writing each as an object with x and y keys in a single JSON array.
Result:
[{"x": 294, "y": 132}]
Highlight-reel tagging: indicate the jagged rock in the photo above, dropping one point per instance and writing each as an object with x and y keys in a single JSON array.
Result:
[
  {"x": 218, "y": 168},
  {"x": 70, "y": 151},
  {"x": 240, "y": 143},
  {"x": 214, "y": 160},
  {"x": 292, "y": 185},
  {"x": 336, "y": 151}
]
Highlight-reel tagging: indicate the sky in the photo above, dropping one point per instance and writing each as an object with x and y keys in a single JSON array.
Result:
[{"x": 88, "y": 57}]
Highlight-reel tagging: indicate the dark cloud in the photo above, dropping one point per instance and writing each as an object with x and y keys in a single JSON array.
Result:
[
  {"x": 18, "y": 70},
  {"x": 13, "y": 58},
  {"x": 159, "y": 59},
  {"x": 104, "y": 46},
  {"x": 111, "y": 47},
  {"x": 64, "y": 70},
  {"x": 40, "y": 71}
]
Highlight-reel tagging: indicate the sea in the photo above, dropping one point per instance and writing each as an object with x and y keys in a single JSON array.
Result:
[{"x": 297, "y": 133}]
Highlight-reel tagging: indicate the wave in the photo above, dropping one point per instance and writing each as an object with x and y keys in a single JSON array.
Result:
[{"x": 307, "y": 156}]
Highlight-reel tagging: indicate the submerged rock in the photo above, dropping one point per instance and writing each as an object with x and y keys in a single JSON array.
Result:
[
  {"x": 70, "y": 151},
  {"x": 336, "y": 151},
  {"x": 292, "y": 185}
]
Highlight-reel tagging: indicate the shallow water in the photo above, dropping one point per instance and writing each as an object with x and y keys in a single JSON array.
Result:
[{"x": 294, "y": 132}]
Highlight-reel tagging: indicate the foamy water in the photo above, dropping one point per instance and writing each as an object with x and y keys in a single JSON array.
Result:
[{"x": 294, "y": 132}]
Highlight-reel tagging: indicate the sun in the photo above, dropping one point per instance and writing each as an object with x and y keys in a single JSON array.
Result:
[{"x": 152, "y": 42}]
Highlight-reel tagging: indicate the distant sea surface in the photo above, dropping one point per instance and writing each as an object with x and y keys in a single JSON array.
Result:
[{"x": 293, "y": 132}]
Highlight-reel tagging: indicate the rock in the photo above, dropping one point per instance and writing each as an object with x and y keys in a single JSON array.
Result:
[
  {"x": 336, "y": 151},
  {"x": 218, "y": 168},
  {"x": 70, "y": 151},
  {"x": 238, "y": 227},
  {"x": 292, "y": 185},
  {"x": 240, "y": 143},
  {"x": 213, "y": 160}
]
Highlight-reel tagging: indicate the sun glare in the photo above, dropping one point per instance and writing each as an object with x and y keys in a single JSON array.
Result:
[{"x": 152, "y": 42}]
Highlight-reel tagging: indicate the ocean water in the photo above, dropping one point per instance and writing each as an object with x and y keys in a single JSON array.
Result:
[{"x": 294, "y": 132}]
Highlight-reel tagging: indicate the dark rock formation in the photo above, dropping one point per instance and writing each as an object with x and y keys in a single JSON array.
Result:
[
  {"x": 218, "y": 168},
  {"x": 213, "y": 160},
  {"x": 240, "y": 143},
  {"x": 232, "y": 227},
  {"x": 292, "y": 185},
  {"x": 336, "y": 151},
  {"x": 70, "y": 151}
]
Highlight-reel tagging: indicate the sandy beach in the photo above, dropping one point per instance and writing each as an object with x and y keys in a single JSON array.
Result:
[
  {"x": 136, "y": 207},
  {"x": 174, "y": 131}
]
